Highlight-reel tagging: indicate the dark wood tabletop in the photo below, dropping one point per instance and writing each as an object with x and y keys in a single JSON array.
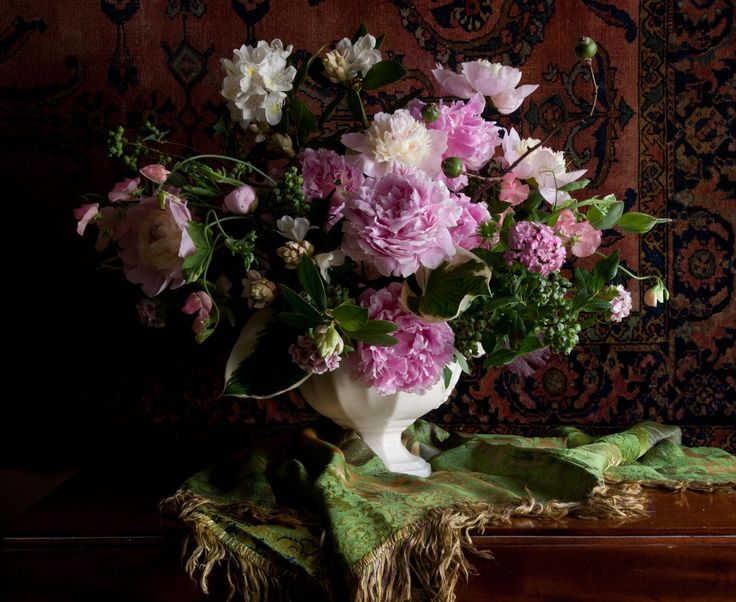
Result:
[{"x": 99, "y": 536}]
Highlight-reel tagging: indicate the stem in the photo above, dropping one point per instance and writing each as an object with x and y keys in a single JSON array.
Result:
[
  {"x": 629, "y": 273},
  {"x": 183, "y": 162},
  {"x": 595, "y": 83}
]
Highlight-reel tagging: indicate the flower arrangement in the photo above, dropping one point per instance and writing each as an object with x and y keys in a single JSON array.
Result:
[{"x": 422, "y": 235}]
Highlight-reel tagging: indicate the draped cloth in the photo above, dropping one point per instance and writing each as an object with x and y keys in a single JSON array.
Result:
[{"x": 318, "y": 516}]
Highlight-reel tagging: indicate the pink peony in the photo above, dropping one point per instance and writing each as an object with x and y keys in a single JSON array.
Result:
[
  {"x": 400, "y": 222},
  {"x": 241, "y": 201},
  {"x": 620, "y": 304},
  {"x": 85, "y": 214},
  {"x": 490, "y": 79},
  {"x": 154, "y": 248},
  {"x": 123, "y": 191},
  {"x": 415, "y": 363},
  {"x": 304, "y": 354},
  {"x": 156, "y": 173},
  {"x": 325, "y": 171},
  {"x": 513, "y": 191},
  {"x": 466, "y": 234},
  {"x": 199, "y": 303},
  {"x": 469, "y": 136},
  {"x": 584, "y": 237},
  {"x": 536, "y": 247}
]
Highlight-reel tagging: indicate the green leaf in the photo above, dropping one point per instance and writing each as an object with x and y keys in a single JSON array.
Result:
[
  {"x": 350, "y": 316},
  {"x": 499, "y": 358},
  {"x": 446, "y": 376},
  {"x": 301, "y": 74},
  {"x": 449, "y": 288},
  {"x": 603, "y": 217},
  {"x": 310, "y": 279},
  {"x": 459, "y": 358},
  {"x": 355, "y": 104},
  {"x": 382, "y": 74},
  {"x": 605, "y": 270},
  {"x": 298, "y": 320},
  {"x": 595, "y": 306},
  {"x": 576, "y": 185},
  {"x": 301, "y": 117},
  {"x": 529, "y": 344},
  {"x": 639, "y": 223},
  {"x": 196, "y": 264},
  {"x": 501, "y": 303},
  {"x": 259, "y": 365},
  {"x": 300, "y": 305},
  {"x": 375, "y": 332}
]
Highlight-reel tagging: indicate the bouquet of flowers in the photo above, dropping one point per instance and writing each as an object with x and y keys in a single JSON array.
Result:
[{"x": 393, "y": 245}]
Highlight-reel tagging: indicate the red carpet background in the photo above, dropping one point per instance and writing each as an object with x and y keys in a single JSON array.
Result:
[{"x": 85, "y": 375}]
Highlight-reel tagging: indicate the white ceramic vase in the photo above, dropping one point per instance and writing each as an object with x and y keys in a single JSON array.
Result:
[{"x": 378, "y": 419}]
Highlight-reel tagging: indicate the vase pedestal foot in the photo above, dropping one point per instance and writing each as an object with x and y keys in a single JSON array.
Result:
[{"x": 387, "y": 445}]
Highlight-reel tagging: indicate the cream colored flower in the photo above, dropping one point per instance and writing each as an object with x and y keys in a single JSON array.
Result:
[{"x": 292, "y": 252}]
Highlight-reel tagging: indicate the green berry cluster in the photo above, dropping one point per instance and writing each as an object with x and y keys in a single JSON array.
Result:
[
  {"x": 556, "y": 321},
  {"x": 287, "y": 197},
  {"x": 129, "y": 152},
  {"x": 469, "y": 328}
]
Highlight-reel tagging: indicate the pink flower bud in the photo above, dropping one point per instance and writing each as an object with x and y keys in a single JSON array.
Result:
[
  {"x": 242, "y": 200},
  {"x": 123, "y": 191},
  {"x": 85, "y": 214},
  {"x": 156, "y": 173}
]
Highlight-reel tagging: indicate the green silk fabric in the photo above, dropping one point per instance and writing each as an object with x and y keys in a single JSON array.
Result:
[{"x": 317, "y": 508}]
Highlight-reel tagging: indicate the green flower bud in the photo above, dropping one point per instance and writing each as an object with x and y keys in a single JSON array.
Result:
[
  {"x": 452, "y": 167},
  {"x": 585, "y": 48},
  {"x": 328, "y": 340},
  {"x": 430, "y": 113}
]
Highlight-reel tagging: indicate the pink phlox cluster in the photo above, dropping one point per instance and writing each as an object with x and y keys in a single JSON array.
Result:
[
  {"x": 620, "y": 304},
  {"x": 304, "y": 354},
  {"x": 536, "y": 247}
]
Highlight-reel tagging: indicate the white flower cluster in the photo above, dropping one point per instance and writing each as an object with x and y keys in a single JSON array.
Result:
[
  {"x": 257, "y": 81},
  {"x": 347, "y": 59}
]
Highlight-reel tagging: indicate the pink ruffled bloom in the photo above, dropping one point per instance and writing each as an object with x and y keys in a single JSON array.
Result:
[
  {"x": 124, "y": 191},
  {"x": 199, "y": 303},
  {"x": 154, "y": 248},
  {"x": 466, "y": 234},
  {"x": 620, "y": 304},
  {"x": 536, "y": 247},
  {"x": 304, "y": 353},
  {"x": 490, "y": 79},
  {"x": 513, "y": 191},
  {"x": 585, "y": 238},
  {"x": 85, "y": 214},
  {"x": 400, "y": 222},
  {"x": 398, "y": 140},
  {"x": 469, "y": 136},
  {"x": 241, "y": 201},
  {"x": 415, "y": 363},
  {"x": 156, "y": 173}
]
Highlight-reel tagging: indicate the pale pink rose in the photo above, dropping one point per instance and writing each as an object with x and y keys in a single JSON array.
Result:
[
  {"x": 513, "y": 191},
  {"x": 157, "y": 242},
  {"x": 85, "y": 214},
  {"x": 241, "y": 201},
  {"x": 584, "y": 237},
  {"x": 123, "y": 191},
  {"x": 494, "y": 80},
  {"x": 199, "y": 303},
  {"x": 156, "y": 173}
]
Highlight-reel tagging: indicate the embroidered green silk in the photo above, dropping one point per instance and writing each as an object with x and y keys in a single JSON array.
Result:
[{"x": 299, "y": 515}]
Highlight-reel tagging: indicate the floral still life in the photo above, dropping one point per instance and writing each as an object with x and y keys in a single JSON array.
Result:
[
  {"x": 425, "y": 234},
  {"x": 396, "y": 249}
]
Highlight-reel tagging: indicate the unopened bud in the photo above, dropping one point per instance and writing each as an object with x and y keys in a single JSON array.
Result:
[
  {"x": 328, "y": 340},
  {"x": 430, "y": 113},
  {"x": 585, "y": 48},
  {"x": 452, "y": 167}
]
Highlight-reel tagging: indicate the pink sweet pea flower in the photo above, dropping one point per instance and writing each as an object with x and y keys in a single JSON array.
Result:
[
  {"x": 123, "y": 191},
  {"x": 241, "y": 201},
  {"x": 201, "y": 304},
  {"x": 585, "y": 238},
  {"x": 156, "y": 173},
  {"x": 85, "y": 214},
  {"x": 513, "y": 191},
  {"x": 157, "y": 242}
]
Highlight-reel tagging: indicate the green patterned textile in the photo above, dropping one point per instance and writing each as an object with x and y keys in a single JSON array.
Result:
[{"x": 301, "y": 516}]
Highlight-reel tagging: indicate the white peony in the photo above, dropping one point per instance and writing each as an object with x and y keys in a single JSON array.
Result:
[
  {"x": 256, "y": 82},
  {"x": 347, "y": 59},
  {"x": 544, "y": 165},
  {"x": 398, "y": 140}
]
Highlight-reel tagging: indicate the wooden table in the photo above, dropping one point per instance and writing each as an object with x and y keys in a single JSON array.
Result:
[{"x": 100, "y": 538}]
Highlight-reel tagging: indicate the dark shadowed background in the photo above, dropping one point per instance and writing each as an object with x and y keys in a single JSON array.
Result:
[{"x": 84, "y": 378}]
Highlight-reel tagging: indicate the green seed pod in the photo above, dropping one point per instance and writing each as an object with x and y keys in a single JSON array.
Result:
[
  {"x": 585, "y": 48},
  {"x": 430, "y": 112},
  {"x": 452, "y": 167}
]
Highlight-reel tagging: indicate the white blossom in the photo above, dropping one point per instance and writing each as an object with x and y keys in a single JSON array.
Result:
[{"x": 347, "y": 60}]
